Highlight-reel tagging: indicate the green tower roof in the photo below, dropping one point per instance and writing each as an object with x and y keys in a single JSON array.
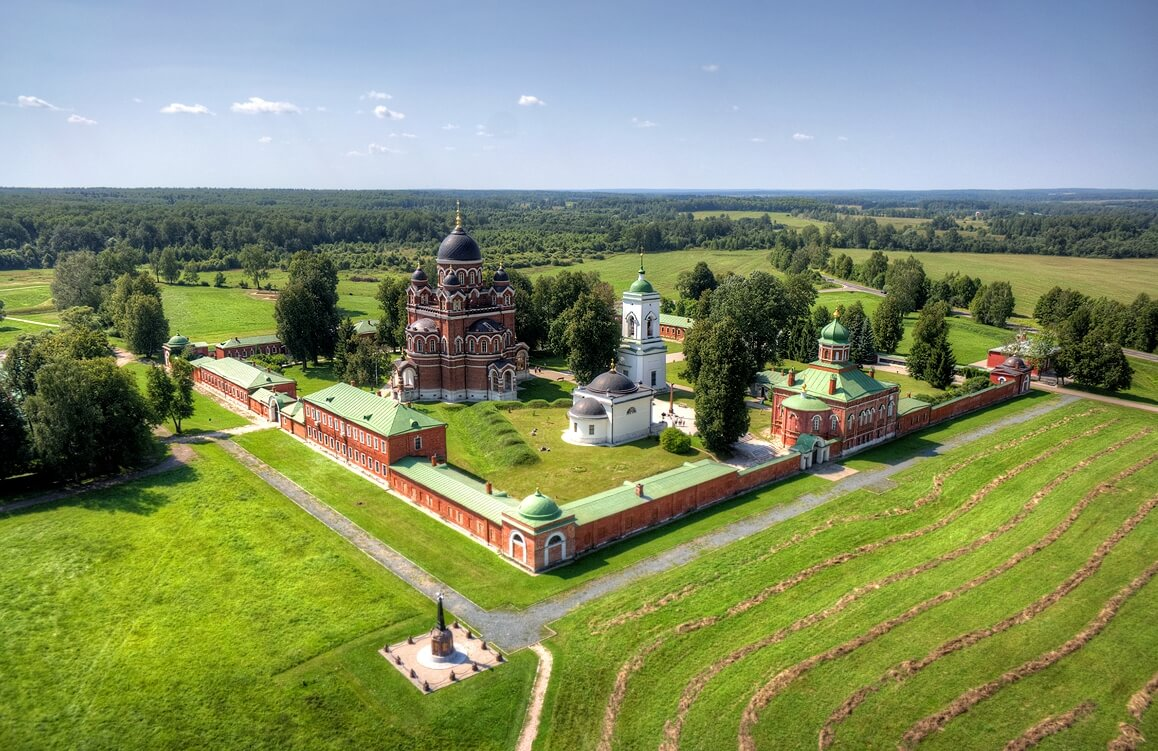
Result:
[
  {"x": 834, "y": 333},
  {"x": 539, "y": 507}
]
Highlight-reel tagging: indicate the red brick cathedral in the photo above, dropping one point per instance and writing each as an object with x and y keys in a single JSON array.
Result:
[{"x": 460, "y": 333}]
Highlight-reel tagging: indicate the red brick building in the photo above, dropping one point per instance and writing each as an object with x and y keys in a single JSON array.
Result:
[
  {"x": 248, "y": 346},
  {"x": 237, "y": 381},
  {"x": 460, "y": 333},
  {"x": 674, "y": 327}
]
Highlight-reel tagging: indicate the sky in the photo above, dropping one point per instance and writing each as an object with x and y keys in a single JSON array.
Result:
[{"x": 580, "y": 95}]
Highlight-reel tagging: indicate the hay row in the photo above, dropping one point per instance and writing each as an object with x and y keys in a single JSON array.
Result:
[
  {"x": 673, "y": 728},
  {"x": 1050, "y": 726},
  {"x": 598, "y": 627},
  {"x": 1129, "y": 736},
  {"x": 932, "y": 723},
  {"x": 636, "y": 662},
  {"x": 909, "y": 668}
]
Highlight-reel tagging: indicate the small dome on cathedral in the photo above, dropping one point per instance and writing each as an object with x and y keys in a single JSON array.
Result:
[
  {"x": 539, "y": 507},
  {"x": 834, "y": 333},
  {"x": 641, "y": 285},
  {"x": 1015, "y": 362},
  {"x": 805, "y": 403},
  {"x": 501, "y": 276},
  {"x": 178, "y": 341},
  {"x": 423, "y": 324},
  {"x": 451, "y": 280},
  {"x": 418, "y": 276}
]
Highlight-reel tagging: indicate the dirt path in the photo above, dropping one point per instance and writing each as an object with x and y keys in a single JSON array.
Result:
[
  {"x": 530, "y": 729},
  {"x": 34, "y": 323}
]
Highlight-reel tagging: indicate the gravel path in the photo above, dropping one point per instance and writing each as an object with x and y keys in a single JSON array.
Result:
[{"x": 530, "y": 729}]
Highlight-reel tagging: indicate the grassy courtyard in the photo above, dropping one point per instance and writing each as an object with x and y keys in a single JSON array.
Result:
[
  {"x": 200, "y": 609},
  {"x": 207, "y": 414},
  {"x": 966, "y": 566}
]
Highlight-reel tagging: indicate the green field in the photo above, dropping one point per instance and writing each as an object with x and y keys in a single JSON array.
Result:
[
  {"x": 1144, "y": 388},
  {"x": 780, "y": 217},
  {"x": 679, "y": 657},
  {"x": 200, "y": 609},
  {"x": 1031, "y": 276}
]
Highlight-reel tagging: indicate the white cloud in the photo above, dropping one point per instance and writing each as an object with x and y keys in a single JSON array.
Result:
[
  {"x": 138, "y": 100},
  {"x": 448, "y": 148},
  {"x": 34, "y": 102},
  {"x": 377, "y": 148},
  {"x": 842, "y": 138},
  {"x": 78, "y": 120},
  {"x": 481, "y": 130},
  {"x": 526, "y": 100},
  {"x": 257, "y": 105},
  {"x": 757, "y": 139},
  {"x": 710, "y": 68},
  {"x": 176, "y": 108},
  {"x": 354, "y": 153},
  {"x": 265, "y": 140},
  {"x": 371, "y": 94},
  {"x": 321, "y": 109},
  {"x": 382, "y": 113},
  {"x": 802, "y": 137},
  {"x": 402, "y": 135},
  {"x": 735, "y": 108},
  {"x": 643, "y": 123},
  {"x": 450, "y": 126}
]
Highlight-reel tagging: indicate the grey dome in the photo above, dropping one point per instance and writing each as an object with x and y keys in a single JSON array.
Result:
[
  {"x": 1015, "y": 362},
  {"x": 459, "y": 246},
  {"x": 487, "y": 326},
  {"x": 451, "y": 280},
  {"x": 587, "y": 408},
  {"x": 418, "y": 276},
  {"x": 423, "y": 324},
  {"x": 611, "y": 383}
]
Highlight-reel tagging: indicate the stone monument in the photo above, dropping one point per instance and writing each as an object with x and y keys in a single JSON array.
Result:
[{"x": 441, "y": 639}]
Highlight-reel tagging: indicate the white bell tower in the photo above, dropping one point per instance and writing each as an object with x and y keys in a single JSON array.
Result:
[{"x": 642, "y": 354}]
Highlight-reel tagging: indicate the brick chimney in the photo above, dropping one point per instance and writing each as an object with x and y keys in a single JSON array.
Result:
[
  {"x": 872, "y": 372},
  {"x": 639, "y": 489},
  {"x": 434, "y": 460},
  {"x": 489, "y": 487},
  {"x": 792, "y": 378},
  {"x": 832, "y": 384}
]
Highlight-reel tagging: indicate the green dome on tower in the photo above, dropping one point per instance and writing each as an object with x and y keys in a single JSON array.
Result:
[
  {"x": 641, "y": 285},
  {"x": 178, "y": 341},
  {"x": 834, "y": 333},
  {"x": 539, "y": 507}
]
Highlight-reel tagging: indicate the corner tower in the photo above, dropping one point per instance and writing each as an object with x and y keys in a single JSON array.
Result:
[{"x": 642, "y": 354}]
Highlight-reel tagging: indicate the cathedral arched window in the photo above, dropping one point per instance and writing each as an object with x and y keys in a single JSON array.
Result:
[
  {"x": 833, "y": 424},
  {"x": 458, "y": 346},
  {"x": 418, "y": 346},
  {"x": 484, "y": 347},
  {"x": 816, "y": 422}
]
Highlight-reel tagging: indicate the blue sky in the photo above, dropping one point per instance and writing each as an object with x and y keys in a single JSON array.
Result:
[{"x": 580, "y": 95}]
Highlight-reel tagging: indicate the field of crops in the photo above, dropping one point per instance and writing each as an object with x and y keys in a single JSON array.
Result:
[{"x": 994, "y": 594}]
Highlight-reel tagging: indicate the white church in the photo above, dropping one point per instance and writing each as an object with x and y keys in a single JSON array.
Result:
[{"x": 615, "y": 407}]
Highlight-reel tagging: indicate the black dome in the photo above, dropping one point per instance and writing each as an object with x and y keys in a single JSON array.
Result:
[
  {"x": 486, "y": 325},
  {"x": 1015, "y": 362},
  {"x": 501, "y": 275},
  {"x": 459, "y": 246},
  {"x": 611, "y": 383},
  {"x": 418, "y": 276},
  {"x": 588, "y": 408},
  {"x": 451, "y": 280}
]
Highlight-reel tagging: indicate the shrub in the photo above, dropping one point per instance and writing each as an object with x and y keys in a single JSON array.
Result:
[
  {"x": 539, "y": 404},
  {"x": 243, "y": 284},
  {"x": 675, "y": 441}
]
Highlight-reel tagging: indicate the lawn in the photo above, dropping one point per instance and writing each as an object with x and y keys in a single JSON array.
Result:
[
  {"x": 201, "y": 609},
  {"x": 207, "y": 414},
  {"x": 11, "y": 329},
  {"x": 312, "y": 378},
  {"x": 468, "y": 566},
  {"x": 682, "y": 654},
  {"x": 546, "y": 389},
  {"x": 1031, "y": 276}
]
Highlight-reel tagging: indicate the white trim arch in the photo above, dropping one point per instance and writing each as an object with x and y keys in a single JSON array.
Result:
[
  {"x": 517, "y": 539},
  {"x": 555, "y": 541}
]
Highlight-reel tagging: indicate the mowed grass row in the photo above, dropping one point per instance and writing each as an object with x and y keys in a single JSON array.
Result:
[
  {"x": 201, "y": 609},
  {"x": 793, "y": 718}
]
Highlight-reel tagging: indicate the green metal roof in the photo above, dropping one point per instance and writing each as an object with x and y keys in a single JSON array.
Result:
[
  {"x": 805, "y": 403},
  {"x": 249, "y": 377},
  {"x": 851, "y": 383},
  {"x": 248, "y": 341},
  {"x": 457, "y": 486},
  {"x": 295, "y": 411},
  {"x": 670, "y": 320},
  {"x": 600, "y": 505},
  {"x": 804, "y": 443},
  {"x": 178, "y": 341},
  {"x": 262, "y": 395},
  {"x": 906, "y": 405},
  {"x": 383, "y": 416},
  {"x": 368, "y": 326},
  {"x": 771, "y": 378}
]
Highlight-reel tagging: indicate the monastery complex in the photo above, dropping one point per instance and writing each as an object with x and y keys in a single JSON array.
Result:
[{"x": 461, "y": 345}]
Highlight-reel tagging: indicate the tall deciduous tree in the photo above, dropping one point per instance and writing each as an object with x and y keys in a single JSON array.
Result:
[
  {"x": 13, "y": 435},
  {"x": 888, "y": 325},
  {"x": 31, "y": 352},
  {"x": 87, "y": 417},
  {"x": 993, "y": 304},
  {"x": 170, "y": 395},
  {"x": 931, "y": 357},
  {"x": 367, "y": 365},
  {"x": 725, "y": 365},
  {"x": 392, "y": 321},
  {"x": 588, "y": 332},
  {"x": 143, "y": 325},
  {"x": 79, "y": 280},
  {"x": 169, "y": 266},
  {"x": 905, "y": 281},
  {"x": 760, "y": 307},
  {"x": 307, "y": 309},
  {"x": 255, "y": 262},
  {"x": 691, "y": 284}
]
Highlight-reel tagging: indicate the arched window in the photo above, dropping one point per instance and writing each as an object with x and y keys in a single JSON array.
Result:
[
  {"x": 833, "y": 424},
  {"x": 484, "y": 346},
  {"x": 816, "y": 422},
  {"x": 649, "y": 322},
  {"x": 556, "y": 549},
  {"x": 793, "y": 422},
  {"x": 630, "y": 324},
  {"x": 631, "y": 410},
  {"x": 458, "y": 345},
  {"x": 517, "y": 547},
  {"x": 890, "y": 406},
  {"x": 417, "y": 443},
  {"x": 458, "y": 305},
  {"x": 418, "y": 346},
  {"x": 470, "y": 346}
]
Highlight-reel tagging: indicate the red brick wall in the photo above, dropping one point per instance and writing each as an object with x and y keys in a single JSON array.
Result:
[
  {"x": 923, "y": 418},
  {"x": 226, "y": 388},
  {"x": 476, "y": 526},
  {"x": 668, "y": 331},
  {"x": 357, "y": 445},
  {"x": 240, "y": 353}
]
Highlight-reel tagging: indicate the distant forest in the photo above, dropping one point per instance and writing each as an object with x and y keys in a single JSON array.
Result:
[{"x": 394, "y": 229}]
